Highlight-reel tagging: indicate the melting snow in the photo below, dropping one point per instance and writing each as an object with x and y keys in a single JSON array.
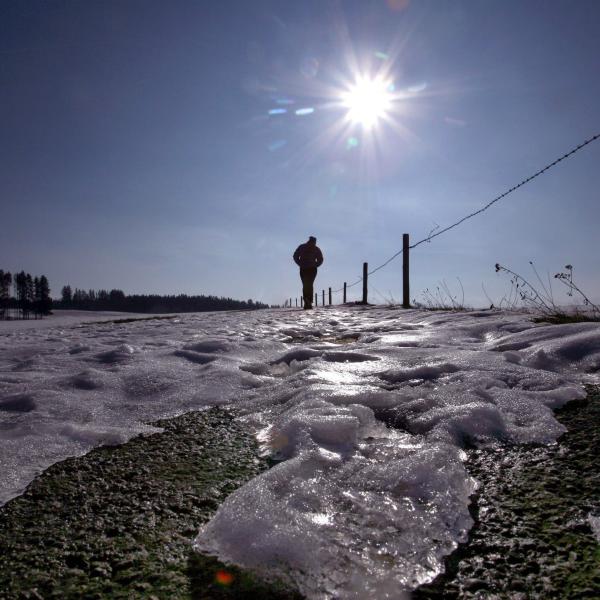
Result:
[{"x": 368, "y": 410}]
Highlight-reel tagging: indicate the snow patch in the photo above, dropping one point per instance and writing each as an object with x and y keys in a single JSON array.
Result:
[
  {"x": 209, "y": 346},
  {"x": 118, "y": 355},
  {"x": 300, "y": 354},
  {"x": 20, "y": 403},
  {"x": 195, "y": 357},
  {"x": 594, "y": 522},
  {"x": 86, "y": 380},
  {"x": 425, "y": 372},
  {"x": 348, "y": 357},
  {"x": 370, "y": 492}
]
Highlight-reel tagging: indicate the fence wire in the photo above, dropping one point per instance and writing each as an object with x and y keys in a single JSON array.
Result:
[{"x": 477, "y": 212}]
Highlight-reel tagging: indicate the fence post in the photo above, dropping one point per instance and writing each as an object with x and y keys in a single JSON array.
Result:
[
  {"x": 296, "y": 302},
  {"x": 344, "y": 292},
  {"x": 301, "y": 301},
  {"x": 329, "y": 296},
  {"x": 316, "y": 299},
  {"x": 365, "y": 276},
  {"x": 290, "y": 303},
  {"x": 405, "y": 272},
  {"x": 323, "y": 298}
]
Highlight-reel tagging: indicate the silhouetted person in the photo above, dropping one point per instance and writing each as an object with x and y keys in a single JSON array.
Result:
[{"x": 309, "y": 258}]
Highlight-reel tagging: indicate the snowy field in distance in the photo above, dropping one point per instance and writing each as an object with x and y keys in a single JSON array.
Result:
[
  {"x": 66, "y": 318},
  {"x": 368, "y": 408}
]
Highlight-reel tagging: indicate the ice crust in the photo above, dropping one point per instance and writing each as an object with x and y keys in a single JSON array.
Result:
[{"x": 366, "y": 410}]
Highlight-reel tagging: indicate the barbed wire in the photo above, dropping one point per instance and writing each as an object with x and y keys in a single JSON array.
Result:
[{"x": 477, "y": 212}]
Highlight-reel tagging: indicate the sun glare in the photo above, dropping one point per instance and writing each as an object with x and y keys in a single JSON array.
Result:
[{"x": 367, "y": 101}]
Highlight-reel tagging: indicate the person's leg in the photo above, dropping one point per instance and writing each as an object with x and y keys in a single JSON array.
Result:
[
  {"x": 305, "y": 287},
  {"x": 313, "y": 276},
  {"x": 308, "y": 277}
]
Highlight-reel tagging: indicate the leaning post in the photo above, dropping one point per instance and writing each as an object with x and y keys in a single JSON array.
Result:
[
  {"x": 405, "y": 271},
  {"x": 365, "y": 277}
]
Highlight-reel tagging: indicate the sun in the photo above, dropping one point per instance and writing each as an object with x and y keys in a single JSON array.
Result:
[{"x": 368, "y": 101}]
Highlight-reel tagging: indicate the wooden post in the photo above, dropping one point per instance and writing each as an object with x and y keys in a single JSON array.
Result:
[
  {"x": 365, "y": 278},
  {"x": 290, "y": 303},
  {"x": 405, "y": 272},
  {"x": 329, "y": 296},
  {"x": 301, "y": 301},
  {"x": 323, "y": 298},
  {"x": 316, "y": 299},
  {"x": 344, "y": 292},
  {"x": 296, "y": 302}
]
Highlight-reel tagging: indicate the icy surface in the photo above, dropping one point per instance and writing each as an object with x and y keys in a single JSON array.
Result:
[
  {"x": 368, "y": 411},
  {"x": 594, "y": 522}
]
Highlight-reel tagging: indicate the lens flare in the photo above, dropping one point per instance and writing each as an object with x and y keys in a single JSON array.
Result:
[
  {"x": 367, "y": 101},
  {"x": 398, "y": 5},
  {"x": 224, "y": 578},
  {"x": 417, "y": 89},
  {"x": 309, "y": 67},
  {"x": 276, "y": 145}
]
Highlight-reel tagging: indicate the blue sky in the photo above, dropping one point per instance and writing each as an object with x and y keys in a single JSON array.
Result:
[{"x": 137, "y": 148}]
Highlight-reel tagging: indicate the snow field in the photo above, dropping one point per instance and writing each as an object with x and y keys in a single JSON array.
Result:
[{"x": 368, "y": 410}]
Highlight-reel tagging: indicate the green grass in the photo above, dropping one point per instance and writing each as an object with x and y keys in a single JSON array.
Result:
[
  {"x": 119, "y": 522},
  {"x": 531, "y": 535}
]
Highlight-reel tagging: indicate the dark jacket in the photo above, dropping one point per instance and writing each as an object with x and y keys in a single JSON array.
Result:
[{"x": 308, "y": 255}]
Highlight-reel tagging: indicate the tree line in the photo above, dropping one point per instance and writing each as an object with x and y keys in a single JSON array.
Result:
[
  {"x": 31, "y": 296},
  {"x": 23, "y": 297},
  {"x": 117, "y": 300}
]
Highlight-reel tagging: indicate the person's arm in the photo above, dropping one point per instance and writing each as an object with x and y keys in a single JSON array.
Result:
[
  {"x": 296, "y": 255},
  {"x": 319, "y": 257}
]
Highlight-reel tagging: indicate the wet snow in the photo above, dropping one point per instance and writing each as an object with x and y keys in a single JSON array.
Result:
[{"x": 367, "y": 410}]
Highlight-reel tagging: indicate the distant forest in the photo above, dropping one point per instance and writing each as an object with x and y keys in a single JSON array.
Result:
[
  {"x": 31, "y": 296},
  {"x": 148, "y": 303},
  {"x": 24, "y": 297}
]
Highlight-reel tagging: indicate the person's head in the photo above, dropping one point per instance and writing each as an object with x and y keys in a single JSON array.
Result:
[{"x": 312, "y": 240}]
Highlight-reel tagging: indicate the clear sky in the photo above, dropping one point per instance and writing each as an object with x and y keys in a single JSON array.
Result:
[{"x": 169, "y": 147}]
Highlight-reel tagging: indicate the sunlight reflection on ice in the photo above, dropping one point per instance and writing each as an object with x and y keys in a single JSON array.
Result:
[
  {"x": 408, "y": 337},
  {"x": 337, "y": 376},
  {"x": 322, "y": 519},
  {"x": 345, "y": 374},
  {"x": 364, "y": 412}
]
